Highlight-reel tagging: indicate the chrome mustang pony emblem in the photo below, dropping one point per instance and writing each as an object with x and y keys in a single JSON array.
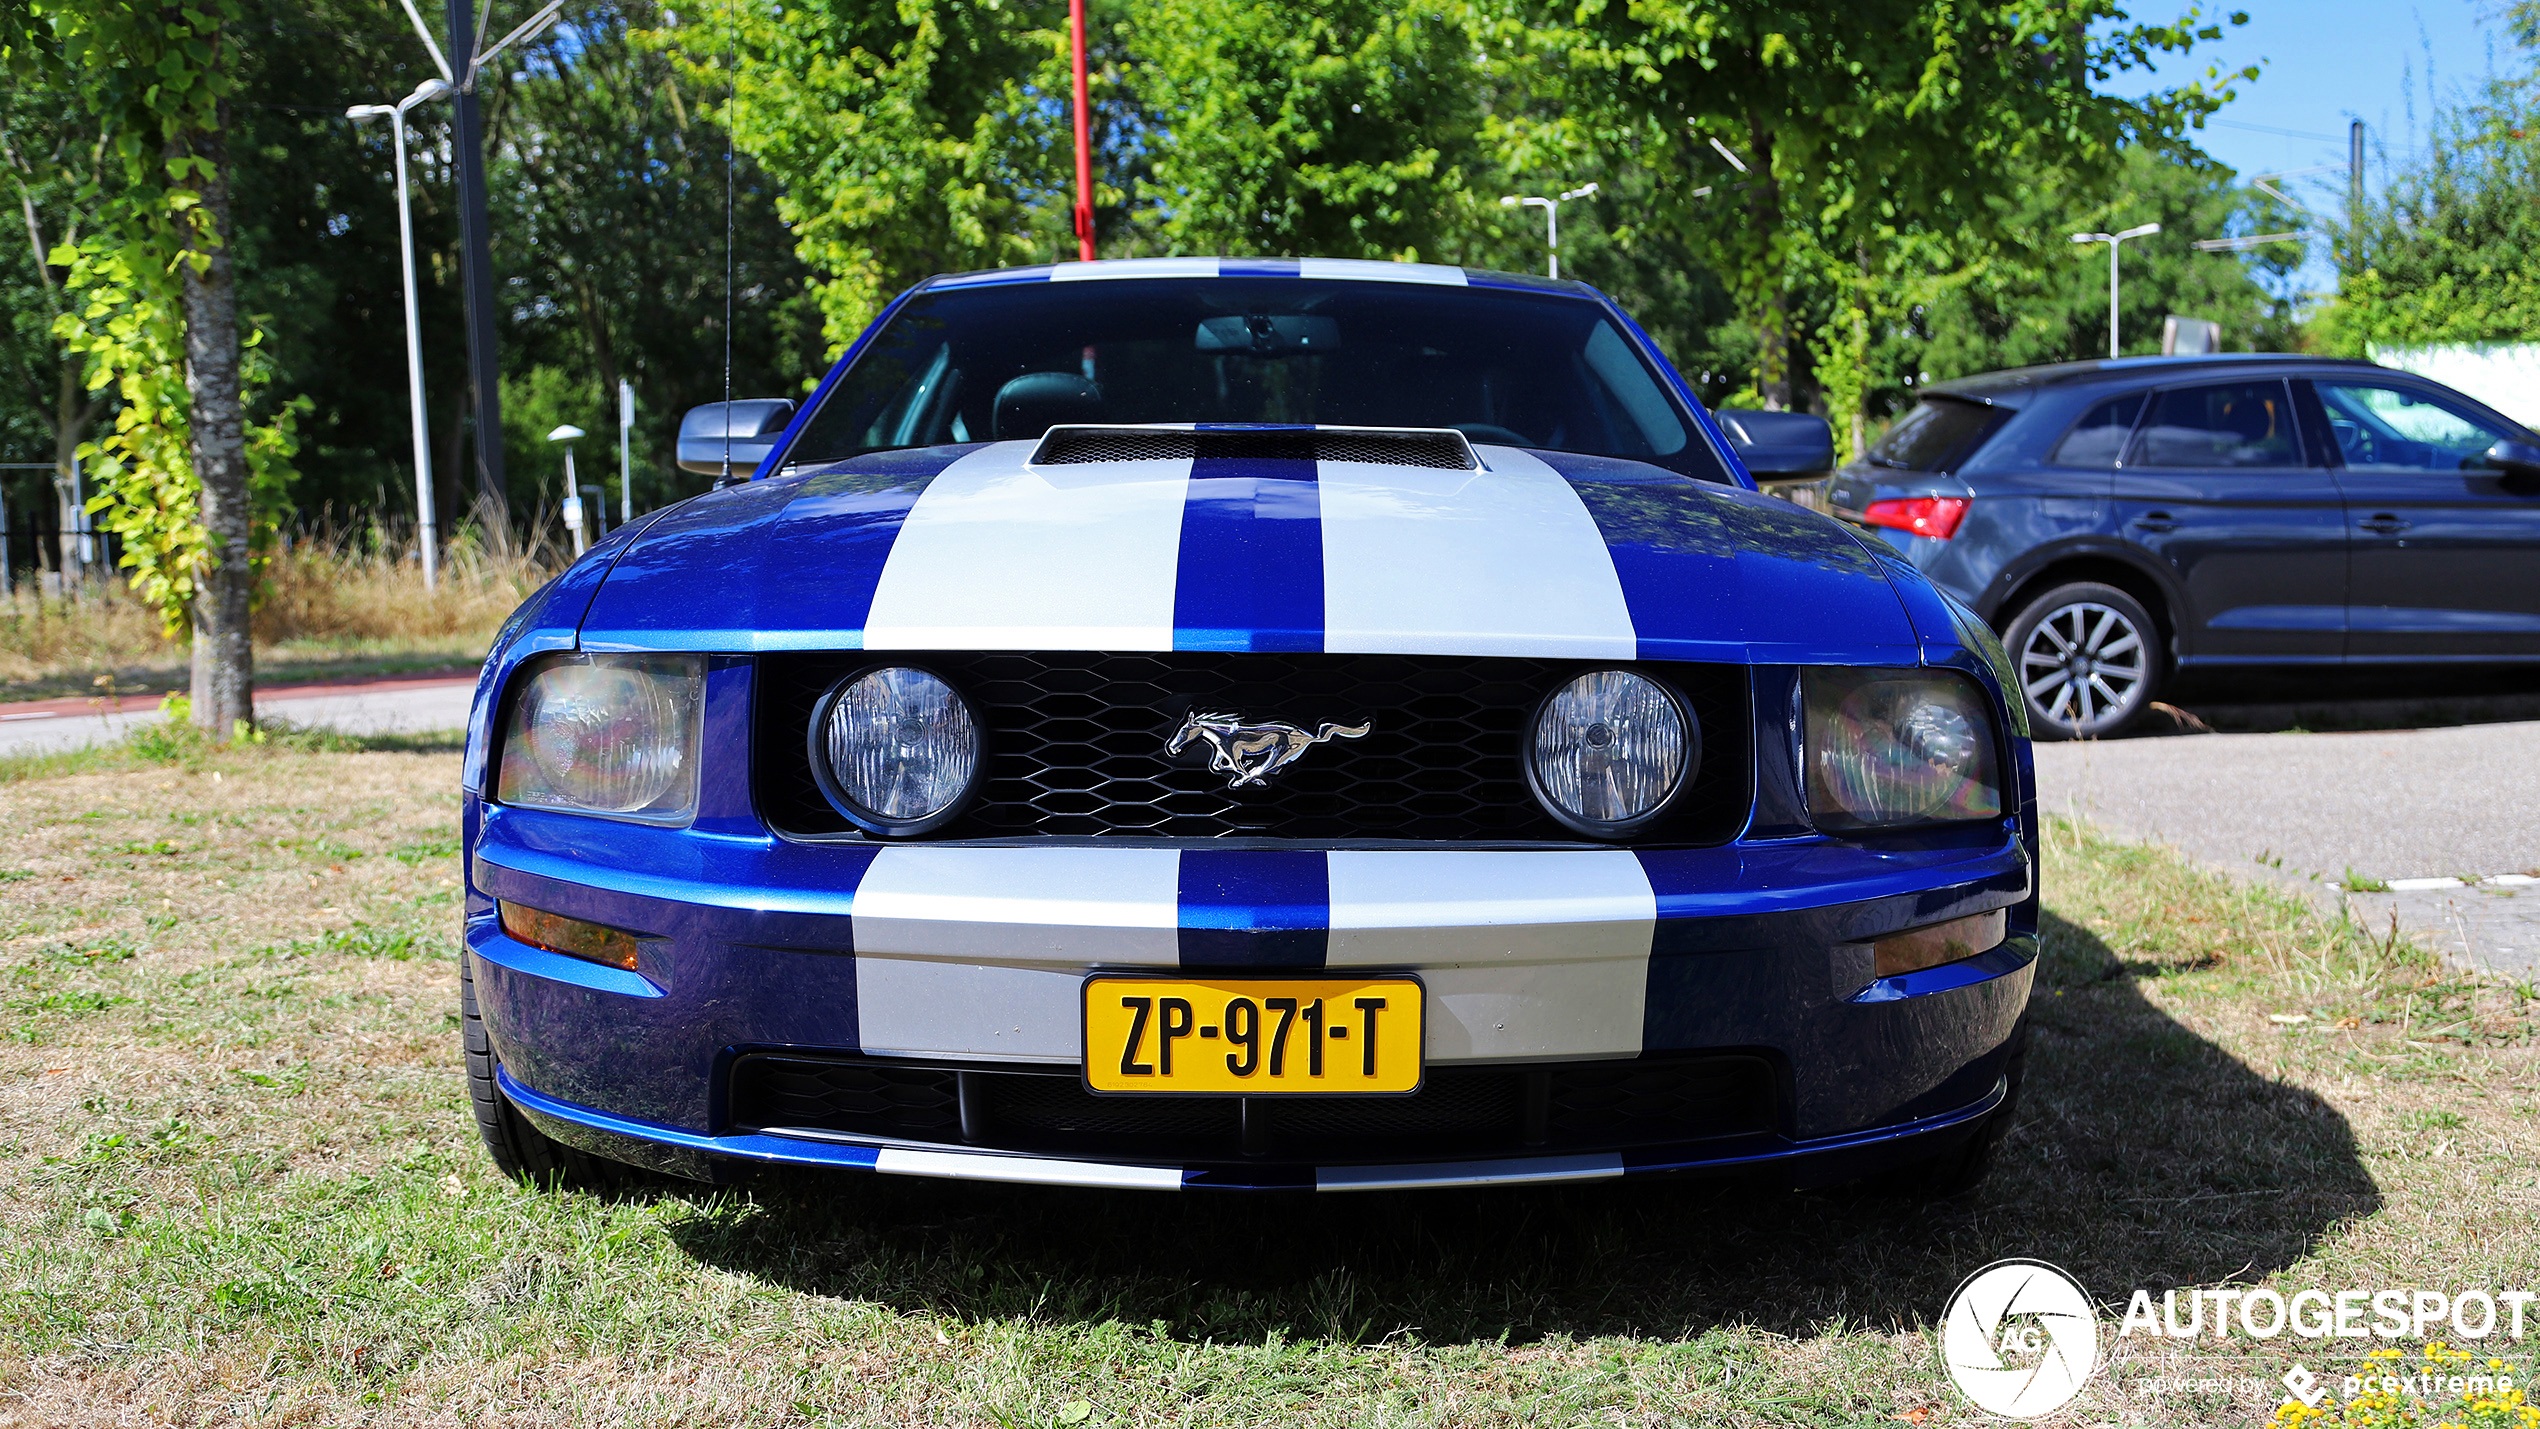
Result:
[{"x": 1251, "y": 753}]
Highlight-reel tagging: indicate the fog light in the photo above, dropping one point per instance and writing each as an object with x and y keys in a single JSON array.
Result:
[
  {"x": 571, "y": 936},
  {"x": 1940, "y": 943}
]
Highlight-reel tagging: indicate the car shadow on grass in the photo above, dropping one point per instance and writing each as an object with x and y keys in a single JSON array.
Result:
[{"x": 2144, "y": 1156}]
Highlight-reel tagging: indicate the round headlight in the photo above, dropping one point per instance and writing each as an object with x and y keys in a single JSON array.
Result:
[
  {"x": 895, "y": 749},
  {"x": 1609, "y": 750},
  {"x": 606, "y": 735},
  {"x": 1897, "y": 747}
]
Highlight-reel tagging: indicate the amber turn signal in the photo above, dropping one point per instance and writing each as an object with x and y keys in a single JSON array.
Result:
[
  {"x": 1940, "y": 943},
  {"x": 571, "y": 936}
]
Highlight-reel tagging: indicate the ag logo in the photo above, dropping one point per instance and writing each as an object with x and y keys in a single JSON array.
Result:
[{"x": 2020, "y": 1338}]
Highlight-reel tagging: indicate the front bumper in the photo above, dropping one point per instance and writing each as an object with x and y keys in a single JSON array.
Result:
[{"x": 1538, "y": 962}]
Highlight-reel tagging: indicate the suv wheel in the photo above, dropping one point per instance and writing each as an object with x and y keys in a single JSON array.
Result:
[
  {"x": 520, "y": 1149},
  {"x": 2089, "y": 660}
]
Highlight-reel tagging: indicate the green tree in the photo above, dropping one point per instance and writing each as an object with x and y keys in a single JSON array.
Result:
[
  {"x": 914, "y": 138},
  {"x": 2443, "y": 253},
  {"x": 158, "y": 321},
  {"x": 888, "y": 127},
  {"x": 1813, "y": 141},
  {"x": 2046, "y": 299},
  {"x": 608, "y": 198},
  {"x": 1343, "y": 130},
  {"x": 53, "y": 155}
]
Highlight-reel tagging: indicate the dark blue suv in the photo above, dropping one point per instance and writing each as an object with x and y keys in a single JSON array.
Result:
[{"x": 2119, "y": 521}]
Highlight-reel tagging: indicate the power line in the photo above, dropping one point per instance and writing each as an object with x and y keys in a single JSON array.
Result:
[{"x": 2271, "y": 129}]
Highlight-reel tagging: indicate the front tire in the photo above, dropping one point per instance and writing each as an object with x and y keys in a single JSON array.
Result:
[
  {"x": 520, "y": 1149},
  {"x": 2089, "y": 660}
]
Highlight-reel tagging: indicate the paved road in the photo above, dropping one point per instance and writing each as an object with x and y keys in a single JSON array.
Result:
[
  {"x": 413, "y": 706},
  {"x": 2416, "y": 809}
]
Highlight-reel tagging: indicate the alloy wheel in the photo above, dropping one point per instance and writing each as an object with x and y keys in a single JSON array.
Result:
[{"x": 2083, "y": 666}]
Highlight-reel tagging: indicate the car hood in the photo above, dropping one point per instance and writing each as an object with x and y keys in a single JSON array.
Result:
[{"x": 1539, "y": 554}]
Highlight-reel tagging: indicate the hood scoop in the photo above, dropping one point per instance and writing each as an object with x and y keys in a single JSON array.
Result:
[{"x": 1443, "y": 449}]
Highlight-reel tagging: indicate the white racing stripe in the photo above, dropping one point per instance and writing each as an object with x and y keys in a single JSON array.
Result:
[
  {"x": 1028, "y": 1170},
  {"x": 1370, "y": 270},
  {"x": 1133, "y": 268},
  {"x": 978, "y": 952},
  {"x": 1603, "y": 1166},
  {"x": 1525, "y": 955},
  {"x": 1499, "y": 562},
  {"x": 1000, "y": 555}
]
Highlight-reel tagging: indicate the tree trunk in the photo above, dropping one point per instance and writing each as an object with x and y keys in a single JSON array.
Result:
[
  {"x": 1764, "y": 238},
  {"x": 224, "y": 658}
]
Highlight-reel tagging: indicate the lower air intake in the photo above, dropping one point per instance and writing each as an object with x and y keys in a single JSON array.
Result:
[{"x": 1481, "y": 1111}]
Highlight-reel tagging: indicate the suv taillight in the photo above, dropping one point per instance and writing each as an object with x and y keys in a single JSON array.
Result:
[{"x": 1933, "y": 516}]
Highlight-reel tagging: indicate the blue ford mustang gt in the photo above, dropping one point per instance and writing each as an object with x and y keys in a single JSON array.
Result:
[{"x": 1197, "y": 723}]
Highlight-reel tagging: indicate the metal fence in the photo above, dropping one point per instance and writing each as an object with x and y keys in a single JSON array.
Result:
[{"x": 34, "y": 546}]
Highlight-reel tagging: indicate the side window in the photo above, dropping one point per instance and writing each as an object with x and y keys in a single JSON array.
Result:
[
  {"x": 2400, "y": 429},
  {"x": 1937, "y": 435},
  {"x": 2098, "y": 439},
  {"x": 2225, "y": 425}
]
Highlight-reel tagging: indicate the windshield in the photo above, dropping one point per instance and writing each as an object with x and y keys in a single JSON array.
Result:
[{"x": 1008, "y": 361}]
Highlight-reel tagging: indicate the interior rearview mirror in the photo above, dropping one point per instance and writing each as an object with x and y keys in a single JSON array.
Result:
[
  {"x": 1780, "y": 446},
  {"x": 727, "y": 440},
  {"x": 2516, "y": 459}
]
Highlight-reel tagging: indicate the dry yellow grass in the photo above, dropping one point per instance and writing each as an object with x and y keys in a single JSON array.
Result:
[{"x": 329, "y": 605}]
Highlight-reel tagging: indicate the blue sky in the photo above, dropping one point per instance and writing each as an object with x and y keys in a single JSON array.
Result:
[{"x": 2389, "y": 63}]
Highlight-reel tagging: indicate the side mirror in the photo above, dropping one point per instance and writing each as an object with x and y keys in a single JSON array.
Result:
[
  {"x": 748, "y": 429},
  {"x": 2515, "y": 459},
  {"x": 1780, "y": 446}
]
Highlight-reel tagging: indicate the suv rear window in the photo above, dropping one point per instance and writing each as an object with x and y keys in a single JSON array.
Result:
[{"x": 1937, "y": 435}]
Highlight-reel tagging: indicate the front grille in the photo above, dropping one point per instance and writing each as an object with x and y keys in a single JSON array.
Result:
[
  {"x": 1064, "y": 446},
  {"x": 1458, "y": 1111},
  {"x": 1075, "y": 746}
]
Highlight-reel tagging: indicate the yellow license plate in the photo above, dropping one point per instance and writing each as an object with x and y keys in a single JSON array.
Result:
[{"x": 1253, "y": 1036}]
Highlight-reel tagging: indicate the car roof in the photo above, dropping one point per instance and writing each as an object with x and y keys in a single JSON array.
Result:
[
  {"x": 1364, "y": 270},
  {"x": 2013, "y": 386}
]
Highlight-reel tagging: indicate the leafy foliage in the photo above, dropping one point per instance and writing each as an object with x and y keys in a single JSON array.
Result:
[
  {"x": 2046, "y": 299},
  {"x": 152, "y": 77},
  {"x": 1343, "y": 130},
  {"x": 1902, "y": 162},
  {"x": 888, "y": 128},
  {"x": 2446, "y": 247},
  {"x": 1848, "y": 146}
]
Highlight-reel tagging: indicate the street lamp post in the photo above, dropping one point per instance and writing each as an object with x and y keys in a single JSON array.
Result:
[
  {"x": 569, "y": 434},
  {"x": 1551, "y": 217},
  {"x": 425, "y": 517},
  {"x": 625, "y": 451},
  {"x": 2112, "y": 240}
]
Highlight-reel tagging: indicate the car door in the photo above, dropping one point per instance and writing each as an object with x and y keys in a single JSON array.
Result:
[
  {"x": 2443, "y": 554},
  {"x": 2217, "y": 486}
]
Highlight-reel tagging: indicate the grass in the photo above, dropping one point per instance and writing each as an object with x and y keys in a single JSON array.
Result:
[
  {"x": 332, "y": 606},
  {"x": 238, "y": 1183}
]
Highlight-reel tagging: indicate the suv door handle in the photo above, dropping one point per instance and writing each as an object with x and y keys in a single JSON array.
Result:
[
  {"x": 2156, "y": 522},
  {"x": 2383, "y": 523}
]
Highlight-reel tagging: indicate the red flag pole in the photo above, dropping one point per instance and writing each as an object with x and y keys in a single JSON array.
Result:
[{"x": 1084, "y": 143}]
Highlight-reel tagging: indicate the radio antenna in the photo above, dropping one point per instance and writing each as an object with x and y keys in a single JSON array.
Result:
[{"x": 731, "y": 116}]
